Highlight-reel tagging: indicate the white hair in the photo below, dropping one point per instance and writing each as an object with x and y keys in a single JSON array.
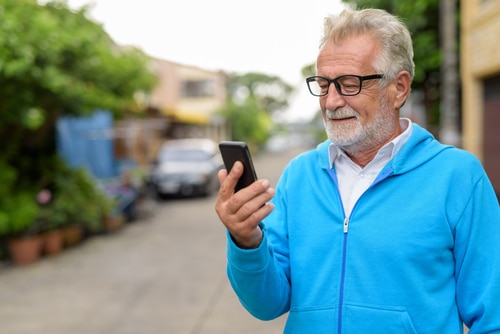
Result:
[{"x": 393, "y": 35}]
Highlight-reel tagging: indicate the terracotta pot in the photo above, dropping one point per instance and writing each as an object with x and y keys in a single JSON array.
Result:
[
  {"x": 72, "y": 235},
  {"x": 52, "y": 242},
  {"x": 112, "y": 223},
  {"x": 25, "y": 250}
]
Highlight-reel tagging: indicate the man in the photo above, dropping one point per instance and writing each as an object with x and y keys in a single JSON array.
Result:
[{"x": 380, "y": 229}]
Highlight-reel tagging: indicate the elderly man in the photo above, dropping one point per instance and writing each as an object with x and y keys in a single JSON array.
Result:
[{"x": 380, "y": 229}]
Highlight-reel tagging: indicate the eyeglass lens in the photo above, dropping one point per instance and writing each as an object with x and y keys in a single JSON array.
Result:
[{"x": 345, "y": 85}]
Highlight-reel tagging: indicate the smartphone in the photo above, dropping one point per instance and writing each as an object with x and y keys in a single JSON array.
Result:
[{"x": 233, "y": 151}]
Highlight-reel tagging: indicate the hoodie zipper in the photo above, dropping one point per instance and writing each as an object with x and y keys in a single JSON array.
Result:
[
  {"x": 333, "y": 176},
  {"x": 382, "y": 176},
  {"x": 346, "y": 224},
  {"x": 342, "y": 275}
]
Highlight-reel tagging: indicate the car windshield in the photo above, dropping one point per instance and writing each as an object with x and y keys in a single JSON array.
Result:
[{"x": 184, "y": 155}]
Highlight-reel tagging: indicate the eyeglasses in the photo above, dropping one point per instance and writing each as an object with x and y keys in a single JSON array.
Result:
[{"x": 346, "y": 85}]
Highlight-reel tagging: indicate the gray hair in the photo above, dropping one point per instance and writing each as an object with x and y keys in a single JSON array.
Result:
[{"x": 394, "y": 37}]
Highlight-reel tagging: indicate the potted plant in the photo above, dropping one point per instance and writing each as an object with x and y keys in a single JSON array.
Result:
[
  {"x": 81, "y": 202},
  {"x": 51, "y": 219},
  {"x": 18, "y": 212},
  {"x": 91, "y": 198},
  {"x": 67, "y": 206},
  {"x": 112, "y": 218}
]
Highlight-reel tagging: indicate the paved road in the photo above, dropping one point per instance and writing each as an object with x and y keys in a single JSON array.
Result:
[{"x": 162, "y": 274}]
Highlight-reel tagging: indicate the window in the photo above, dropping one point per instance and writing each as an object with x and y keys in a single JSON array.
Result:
[{"x": 199, "y": 88}]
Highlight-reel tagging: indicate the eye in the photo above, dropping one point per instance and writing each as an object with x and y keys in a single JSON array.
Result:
[{"x": 349, "y": 83}]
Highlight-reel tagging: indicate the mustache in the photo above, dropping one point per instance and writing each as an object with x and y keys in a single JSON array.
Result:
[{"x": 341, "y": 113}]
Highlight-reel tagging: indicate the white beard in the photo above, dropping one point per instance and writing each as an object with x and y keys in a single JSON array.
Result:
[{"x": 354, "y": 137}]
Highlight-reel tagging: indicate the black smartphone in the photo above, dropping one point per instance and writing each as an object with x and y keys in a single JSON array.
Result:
[{"x": 233, "y": 151}]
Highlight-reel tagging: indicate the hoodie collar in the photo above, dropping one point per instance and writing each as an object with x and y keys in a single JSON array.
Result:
[{"x": 386, "y": 152}]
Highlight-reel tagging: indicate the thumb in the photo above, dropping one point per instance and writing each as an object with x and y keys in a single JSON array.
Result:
[{"x": 228, "y": 180}]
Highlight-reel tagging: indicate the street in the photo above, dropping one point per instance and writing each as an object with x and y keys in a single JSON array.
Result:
[{"x": 161, "y": 274}]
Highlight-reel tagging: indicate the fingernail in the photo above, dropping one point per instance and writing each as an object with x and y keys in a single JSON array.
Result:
[{"x": 266, "y": 183}]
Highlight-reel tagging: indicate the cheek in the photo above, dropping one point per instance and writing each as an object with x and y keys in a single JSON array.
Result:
[
  {"x": 366, "y": 111},
  {"x": 368, "y": 107},
  {"x": 322, "y": 102},
  {"x": 391, "y": 97}
]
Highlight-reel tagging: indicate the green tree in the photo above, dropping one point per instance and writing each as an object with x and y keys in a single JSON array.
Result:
[
  {"x": 53, "y": 62},
  {"x": 270, "y": 93},
  {"x": 248, "y": 122},
  {"x": 253, "y": 98}
]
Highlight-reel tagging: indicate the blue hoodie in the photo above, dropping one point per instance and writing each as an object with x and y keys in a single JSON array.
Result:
[{"x": 420, "y": 252}]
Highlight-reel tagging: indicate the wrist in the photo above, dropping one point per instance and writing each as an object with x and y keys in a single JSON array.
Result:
[{"x": 252, "y": 243}]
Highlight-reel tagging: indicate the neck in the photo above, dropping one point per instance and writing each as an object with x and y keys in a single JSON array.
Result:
[
  {"x": 362, "y": 154},
  {"x": 362, "y": 158}
]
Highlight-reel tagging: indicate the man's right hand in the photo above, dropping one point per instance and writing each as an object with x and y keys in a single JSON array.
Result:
[{"x": 242, "y": 212}]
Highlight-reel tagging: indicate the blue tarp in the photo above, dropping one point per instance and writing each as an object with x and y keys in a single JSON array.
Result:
[{"x": 88, "y": 142}]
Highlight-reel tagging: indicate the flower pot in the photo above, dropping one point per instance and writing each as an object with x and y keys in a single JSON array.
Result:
[
  {"x": 112, "y": 223},
  {"x": 25, "y": 250},
  {"x": 52, "y": 242},
  {"x": 72, "y": 235}
]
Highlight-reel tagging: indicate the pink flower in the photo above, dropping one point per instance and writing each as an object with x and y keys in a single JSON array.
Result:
[{"x": 44, "y": 196}]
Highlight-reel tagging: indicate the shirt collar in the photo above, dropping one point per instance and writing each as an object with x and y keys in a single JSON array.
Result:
[{"x": 390, "y": 149}]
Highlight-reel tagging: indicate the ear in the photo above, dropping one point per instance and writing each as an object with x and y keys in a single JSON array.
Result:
[{"x": 403, "y": 87}]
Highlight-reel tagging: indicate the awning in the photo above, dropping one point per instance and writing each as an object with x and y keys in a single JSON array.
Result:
[{"x": 188, "y": 116}]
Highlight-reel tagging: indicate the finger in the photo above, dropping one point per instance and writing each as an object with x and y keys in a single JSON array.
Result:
[
  {"x": 229, "y": 181},
  {"x": 249, "y": 201},
  {"x": 247, "y": 234},
  {"x": 222, "y": 174}
]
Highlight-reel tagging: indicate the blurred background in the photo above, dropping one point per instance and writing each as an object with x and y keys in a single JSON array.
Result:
[{"x": 91, "y": 91}]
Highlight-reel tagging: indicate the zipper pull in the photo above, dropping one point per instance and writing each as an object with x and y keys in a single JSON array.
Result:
[{"x": 346, "y": 224}]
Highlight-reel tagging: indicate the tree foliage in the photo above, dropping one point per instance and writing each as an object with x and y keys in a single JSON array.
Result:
[
  {"x": 53, "y": 62},
  {"x": 270, "y": 93},
  {"x": 253, "y": 98},
  {"x": 248, "y": 122}
]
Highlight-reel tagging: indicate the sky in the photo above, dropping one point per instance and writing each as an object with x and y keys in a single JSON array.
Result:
[{"x": 275, "y": 37}]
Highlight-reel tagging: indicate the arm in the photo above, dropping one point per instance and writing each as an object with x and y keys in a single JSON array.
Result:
[
  {"x": 258, "y": 279},
  {"x": 477, "y": 253},
  {"x": 253, "y": 271}
]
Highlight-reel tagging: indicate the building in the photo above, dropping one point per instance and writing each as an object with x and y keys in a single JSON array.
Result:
[
  {"x": 480, "y": 71},
  {"x": 189, "y": 97},
  {"x": 183, "y": 104}
]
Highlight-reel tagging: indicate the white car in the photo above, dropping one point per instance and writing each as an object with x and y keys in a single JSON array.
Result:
[{"x": 187, "y": 167}]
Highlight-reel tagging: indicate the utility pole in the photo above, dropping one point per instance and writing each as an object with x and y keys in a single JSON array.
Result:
[{"x": 449, "y": 129}]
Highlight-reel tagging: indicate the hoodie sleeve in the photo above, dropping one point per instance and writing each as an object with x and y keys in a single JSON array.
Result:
[
  {"x": 477, "y": 254},
  {"x": 258, "y": 280},
  {"x": 261, "y": 277}
]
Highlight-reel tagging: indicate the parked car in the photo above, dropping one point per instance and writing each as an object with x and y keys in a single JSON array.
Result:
[{"x": 186, "y": 167}]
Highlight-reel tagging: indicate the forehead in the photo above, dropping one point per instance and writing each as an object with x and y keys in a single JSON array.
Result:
[{"x": 353, "y": 55}]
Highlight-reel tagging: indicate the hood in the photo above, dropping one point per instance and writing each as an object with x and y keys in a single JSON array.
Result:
[{"x": 420, "y": 148}]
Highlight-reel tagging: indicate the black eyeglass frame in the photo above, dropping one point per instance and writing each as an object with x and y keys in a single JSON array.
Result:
[{"x": 337, "y": 85}]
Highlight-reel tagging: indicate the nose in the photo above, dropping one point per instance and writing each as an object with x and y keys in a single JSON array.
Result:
[{"x": 333, "y": 99}]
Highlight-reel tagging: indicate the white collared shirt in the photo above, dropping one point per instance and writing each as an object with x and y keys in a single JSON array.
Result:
[{"x": 354, "y": 180}]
